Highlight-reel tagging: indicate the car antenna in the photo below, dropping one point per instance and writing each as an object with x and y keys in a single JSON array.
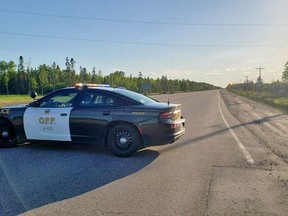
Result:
[{"x": 168, "y": 102}]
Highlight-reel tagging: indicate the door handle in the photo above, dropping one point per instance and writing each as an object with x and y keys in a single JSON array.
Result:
[
  {"x": 63, "y": 114},
  {"x": 106, "y": 113}
]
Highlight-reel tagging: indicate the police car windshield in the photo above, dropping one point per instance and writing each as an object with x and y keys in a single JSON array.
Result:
[{"x": 136, "y": 96}]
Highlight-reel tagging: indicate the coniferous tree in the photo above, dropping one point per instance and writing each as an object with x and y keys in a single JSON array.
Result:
[
  {"x": 21, "y": 77},
  {"x": 285, "y": 73}
]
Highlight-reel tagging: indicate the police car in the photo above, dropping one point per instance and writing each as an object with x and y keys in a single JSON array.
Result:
[{"x": 121, "y": 119}]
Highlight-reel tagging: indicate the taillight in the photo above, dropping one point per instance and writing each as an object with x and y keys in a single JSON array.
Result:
[
  {"x": 176, "y": 114},
  {"x": 166, "y": 115}
]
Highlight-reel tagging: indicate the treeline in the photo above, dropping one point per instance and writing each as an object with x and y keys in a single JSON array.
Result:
[
  {"x": 275, "y": 89},
  {"x": 20, "y": 79}
]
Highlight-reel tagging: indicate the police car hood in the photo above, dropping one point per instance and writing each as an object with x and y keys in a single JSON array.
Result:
[{"x": 15, "y": 106}]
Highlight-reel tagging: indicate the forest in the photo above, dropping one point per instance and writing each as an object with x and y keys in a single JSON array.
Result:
[{"x": 21, "y": 79}]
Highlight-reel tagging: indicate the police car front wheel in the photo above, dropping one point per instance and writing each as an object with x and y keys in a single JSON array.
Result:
[
  {"x": 7, "y": 139},
  {"x": 123, "y": 140}
]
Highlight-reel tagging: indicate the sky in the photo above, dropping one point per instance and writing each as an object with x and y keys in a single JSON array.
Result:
[{"x": 213, "y": 41}]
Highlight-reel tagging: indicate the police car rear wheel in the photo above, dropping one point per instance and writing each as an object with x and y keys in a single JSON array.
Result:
[
  {"x": 7, "y": 138},
  {"x": 123, "y": 140}
]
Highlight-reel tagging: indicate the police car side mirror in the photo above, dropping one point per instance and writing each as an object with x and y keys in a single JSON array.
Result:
[{"x": 33, "y": 95}]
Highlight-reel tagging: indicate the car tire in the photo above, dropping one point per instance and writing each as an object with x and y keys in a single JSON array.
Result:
[
  {"x": 124, "y": 140},
  {"x": 7, "y": 137}
]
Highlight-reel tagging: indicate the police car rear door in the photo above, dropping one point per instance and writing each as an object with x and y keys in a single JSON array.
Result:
[{"x": 89, "y": 118}]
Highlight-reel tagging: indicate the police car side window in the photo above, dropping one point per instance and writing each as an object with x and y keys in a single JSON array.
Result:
[
  {"x": 59, "y": 100},
  {"x": 85, "y": 99},
  {"x": 96, "y": 99}
]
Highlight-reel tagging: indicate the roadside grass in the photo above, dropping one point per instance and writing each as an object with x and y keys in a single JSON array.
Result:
[
  {"x": 7, "y": 100},
  {"x": 280, "y": 103}
]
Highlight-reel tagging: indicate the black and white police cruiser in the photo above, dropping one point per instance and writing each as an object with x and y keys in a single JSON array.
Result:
[{"x": 118, "y": 118}]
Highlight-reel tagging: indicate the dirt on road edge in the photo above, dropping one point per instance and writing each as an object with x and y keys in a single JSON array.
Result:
[{"x": 269, "y": 125}]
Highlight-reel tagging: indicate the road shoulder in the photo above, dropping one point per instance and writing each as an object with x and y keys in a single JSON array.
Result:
[
  {"x": 252, "y": 189},
  {"x": 242, "y": 191},
  {"x": 267, "y": 124}
]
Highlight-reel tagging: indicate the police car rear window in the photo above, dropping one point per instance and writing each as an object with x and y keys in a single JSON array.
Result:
[{"x": 136, "y": 96}]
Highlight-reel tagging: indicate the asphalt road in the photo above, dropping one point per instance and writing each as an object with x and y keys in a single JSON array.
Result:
[{"x": 217, "y": 168}]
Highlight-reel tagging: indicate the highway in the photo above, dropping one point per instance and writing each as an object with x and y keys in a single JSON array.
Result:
[{"x": 219, "y": 167}]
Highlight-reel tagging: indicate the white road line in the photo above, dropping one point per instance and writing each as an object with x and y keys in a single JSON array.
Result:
[{"x": 245, "y": 152}]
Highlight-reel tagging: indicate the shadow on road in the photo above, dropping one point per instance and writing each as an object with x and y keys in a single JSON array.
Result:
[{"x": 34, "y": 175}]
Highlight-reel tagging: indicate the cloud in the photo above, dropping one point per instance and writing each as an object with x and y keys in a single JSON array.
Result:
[
  {"x": 247, "y": 68},
  {"x": 214, "y": 73},
  {"x": 231, "y": 69}
]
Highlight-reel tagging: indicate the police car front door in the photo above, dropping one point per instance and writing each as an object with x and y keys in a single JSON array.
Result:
[
  {"x": 47, "y": 123},
  {"x": 49, "y": 118}
]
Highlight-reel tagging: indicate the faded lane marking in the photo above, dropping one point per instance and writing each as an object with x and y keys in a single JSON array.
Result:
[{"x": 245, "y": 152}]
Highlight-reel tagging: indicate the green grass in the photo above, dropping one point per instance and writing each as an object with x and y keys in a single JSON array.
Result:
[
  {"x": 277, "y": 102},
  {"x": 7, "y": 100},
  {"x": 281, "y": 101}
]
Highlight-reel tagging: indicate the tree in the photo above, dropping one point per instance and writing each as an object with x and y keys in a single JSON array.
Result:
[
  {"x": 100, "y": 78},
  {"x": 43, "y": 77},
  {"x": 21, "y": 64},
  {"x": 70, "y": 74},
  {"x": 140, "y": 81},
  {"x": 12, "y": 74},
  {"x": 285, "y": 73},
  {"x": 34, "y": 84},
  {"x": 72, "y": 64},
  {"x": 6, "y": 81},
  {"x": 55, "y": 75},
  {"x": 3, "y": 76},
  {"x": 21, "y": 77},
  {"x": 84, "y": 76},
  {"x": 118, "y": 78},
  {"x": 93, "y": 76},
  {"x": 67, "y": 64},
  {"x": 164, "y": 84}
]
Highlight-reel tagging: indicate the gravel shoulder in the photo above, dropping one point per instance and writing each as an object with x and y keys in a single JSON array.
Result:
[{"x": 269, "y": 125}]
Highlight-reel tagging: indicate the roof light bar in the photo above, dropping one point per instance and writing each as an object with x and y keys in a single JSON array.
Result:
[{"x": 85, "y": 85}]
